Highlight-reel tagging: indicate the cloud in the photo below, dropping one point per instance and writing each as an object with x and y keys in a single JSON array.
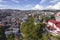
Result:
[
  {"x": 2, "y": 6},
  {"x": 29, "y": 5},
  {"x": 42, "y": 1},
  {"x": 40, "y": 7},
  {"x": 48, "y": 7},
  {"x": 56, "y": 6},
  {"x": 16, "y": 1},
  {"x": 37, "y": 7},
  {"x": 1, "y": 0},
  {"x": 54, "y": 1}
]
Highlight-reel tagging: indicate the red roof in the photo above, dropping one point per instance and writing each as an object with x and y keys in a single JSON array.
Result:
[
  {"x": 58, "y": 25},
  {"x": 53, "y": 21},
  {"x": 58, "y": 31},
  {"x": 51, "y": 28}
]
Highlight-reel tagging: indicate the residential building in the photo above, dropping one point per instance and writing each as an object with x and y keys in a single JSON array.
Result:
[
  {"x": 57, "y": 16},
  {"x": 53, "y": 27}
]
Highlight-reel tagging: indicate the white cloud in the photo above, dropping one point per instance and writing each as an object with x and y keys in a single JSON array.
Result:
[
  {"x": 29, "y": 5},
  {"x": 1, "y": 0},
  {"x": 3, "y": 6},
  {"x": 42, "y": 1},
  {"x": 54, "y": 1},
  {"x": 40, "y": 7},
  {"x": 48, "y": 7},
  {"x": 37, "y": 7},
  {"x": 16, "y": 1},
  {"x": 56, "y": 6}
]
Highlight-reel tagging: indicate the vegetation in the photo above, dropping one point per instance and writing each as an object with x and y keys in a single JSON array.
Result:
[
  {"x": 46, "y": 18},
  {"x": 10, "y": 37},
  {"x": 32, "y": 31},
  {"x": 2, "y": 31},
  {"x": 52, "y": 17}
]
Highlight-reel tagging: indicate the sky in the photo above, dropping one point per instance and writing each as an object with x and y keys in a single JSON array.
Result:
[{"x": 30, "y": 4}]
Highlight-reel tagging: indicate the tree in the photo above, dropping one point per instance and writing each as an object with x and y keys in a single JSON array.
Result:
[
  {"x": 2, "y": 31},
  {"x": 46, "y": 18},
  {"x": 29, "y": 25},
  {"x": 52, "y": 17},
  {"x": 44, "y": 36},
  {"x": 32, "y": 31},
  {"x": 10, "y": 37}
]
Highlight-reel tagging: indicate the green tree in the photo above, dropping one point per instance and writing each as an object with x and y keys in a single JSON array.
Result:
[
  {"x": 32, "y": 31},
  {"x": 46, "y": 18},
  {"x": 52, "y": 17},
  {"x": 44, "y": 36},
  {"x": 2, "y": 31},
  {"x": 10, "y": 37}
]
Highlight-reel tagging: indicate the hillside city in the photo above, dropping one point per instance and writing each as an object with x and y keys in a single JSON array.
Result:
[{"x": 29, "y": 24}]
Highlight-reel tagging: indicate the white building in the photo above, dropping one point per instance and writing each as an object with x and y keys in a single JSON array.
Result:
[
  {"x": 53, "y": 27},
  {"x": 57, "y": 16}
]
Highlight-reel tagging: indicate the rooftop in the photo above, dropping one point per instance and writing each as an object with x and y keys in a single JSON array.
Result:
[
  {"x": 56, "y": 23},
  {"x": 57, "y": 14},
  {"x": 53, "y": 21}
]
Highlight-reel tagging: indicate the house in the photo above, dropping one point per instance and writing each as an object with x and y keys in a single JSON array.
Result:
[
  {"x": 57, "y": 16},
  {"x": 24, "y": 19},
  {"x": 53, "y": 27}
]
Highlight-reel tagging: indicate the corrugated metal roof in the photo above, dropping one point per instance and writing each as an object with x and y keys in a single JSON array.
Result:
[
  {"x": 58, "y": 25},
  {"x": 53, "y": 21}
]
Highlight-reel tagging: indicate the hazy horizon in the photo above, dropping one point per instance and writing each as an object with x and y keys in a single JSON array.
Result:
[{"x": 30, "y": 4}]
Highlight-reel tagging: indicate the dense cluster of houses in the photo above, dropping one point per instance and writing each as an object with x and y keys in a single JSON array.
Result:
[
  {"x": 53, "y": 26},
  {"x": 16, "y": 21}
]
